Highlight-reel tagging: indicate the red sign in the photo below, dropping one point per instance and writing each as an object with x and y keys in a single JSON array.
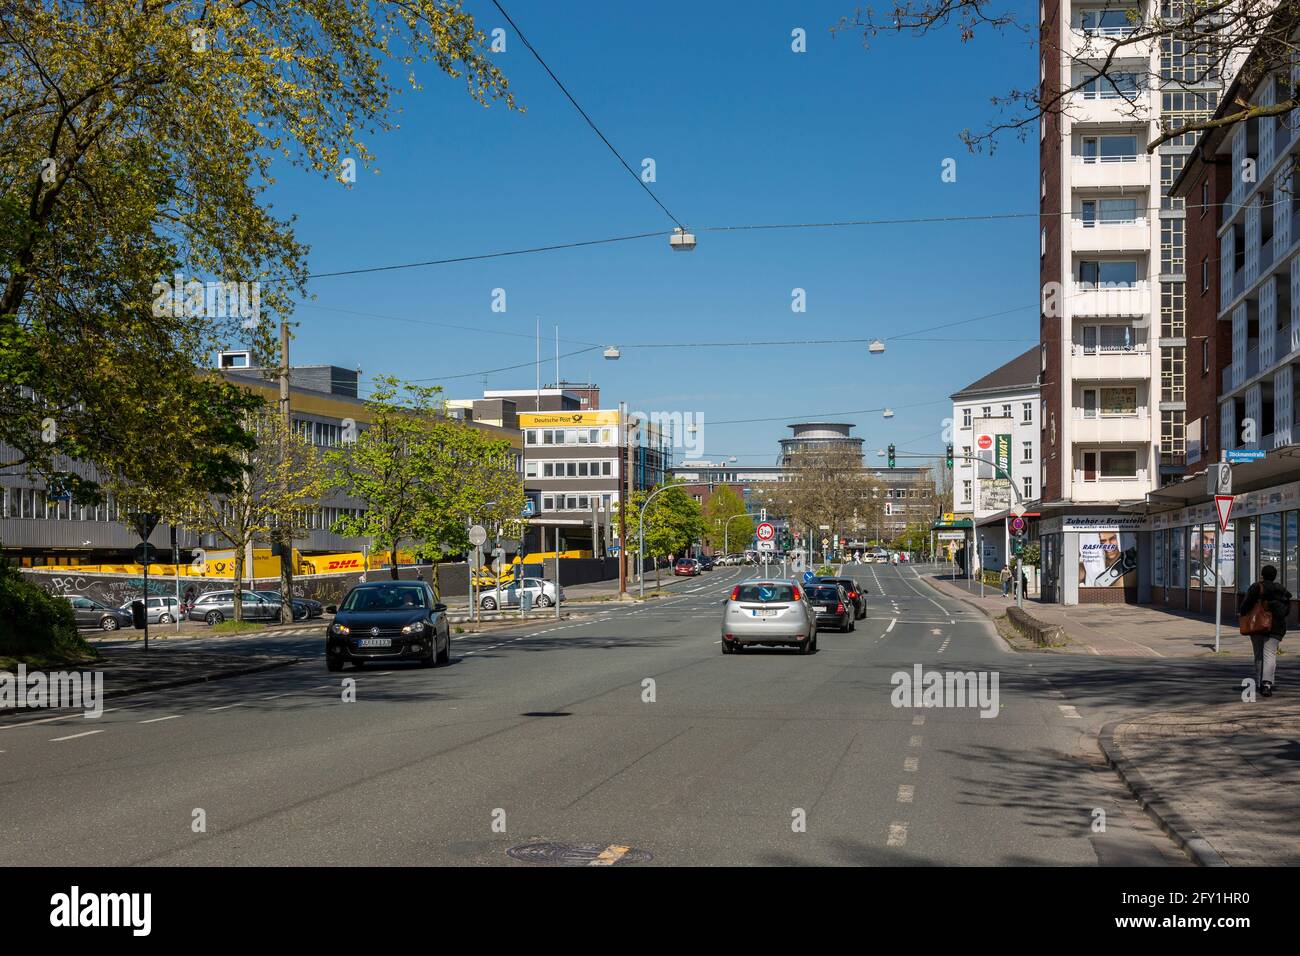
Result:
[
  {"x": 986, "y": 442},
  {"x": 1223, "y": 505},
  {"x": 766, "y": 532}
]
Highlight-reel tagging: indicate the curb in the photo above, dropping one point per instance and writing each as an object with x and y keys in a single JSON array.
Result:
[
  {"x": 1186, "y": 836},
  {"x": 167, "y": 685}
]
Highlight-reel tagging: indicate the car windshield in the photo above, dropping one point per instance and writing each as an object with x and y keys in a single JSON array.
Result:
[
  {"x": 765, "y": 593},
  {"x": 388, "y": 598}
]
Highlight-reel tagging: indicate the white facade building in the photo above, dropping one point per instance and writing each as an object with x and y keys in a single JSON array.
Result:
[{"x": 1003, "y": 403}]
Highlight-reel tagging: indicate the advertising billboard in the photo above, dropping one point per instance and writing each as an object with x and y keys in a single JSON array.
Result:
[{"x": 1107, "y": 559}]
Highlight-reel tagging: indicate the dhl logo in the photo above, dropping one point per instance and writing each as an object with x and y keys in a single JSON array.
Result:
[{"x": 348, "y": 563}]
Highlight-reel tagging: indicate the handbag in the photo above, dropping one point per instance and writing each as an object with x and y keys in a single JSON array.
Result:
[{"x": 1258, "y": 620}]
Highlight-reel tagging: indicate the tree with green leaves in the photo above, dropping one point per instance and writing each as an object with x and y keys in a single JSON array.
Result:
[
  {"x": 135, "y": 234},
  {"x": 672, "y": 521},
  {"x": 425, "y": 477},
  {"x": 725, "y": 520}
]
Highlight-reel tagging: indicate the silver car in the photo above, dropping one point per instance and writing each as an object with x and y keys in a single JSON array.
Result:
[
  {"x": 768, "y": 613},
  {"x": 508, "y": 595},
  {"x": 159, "y": 610}
]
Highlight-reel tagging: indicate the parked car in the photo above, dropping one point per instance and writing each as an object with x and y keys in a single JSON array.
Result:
[
  {"x": 832, "y": 606},
  {"x": 768, "y": 613},
  {"x": 217, "y": 606},
  {"x": 159, "y": 610},
  {"x": 685, "y": 567},
  {"x": 91, "y": 613},
  {"x": 706, "y": 562},
  {"x": 858, "y": 595},
  {"x": 509, "y": 595},
  {"x": 388, "y": 621},
  {"x": 302, "y": 607}
]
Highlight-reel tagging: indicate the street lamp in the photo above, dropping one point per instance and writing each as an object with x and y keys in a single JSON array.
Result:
[
  {"x": 612, "y": 353},
  {"x": 681, "y": 240},
  {"x": 876, "y": 347}
]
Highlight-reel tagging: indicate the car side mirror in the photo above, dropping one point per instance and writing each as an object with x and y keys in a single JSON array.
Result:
[
  {"x": 331, "y": 609},
  {"x": 440, "y": 607}
]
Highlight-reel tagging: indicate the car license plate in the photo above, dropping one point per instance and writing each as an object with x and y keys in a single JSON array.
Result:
[
  {"x": 375, "y": 642},
  {"x": 827, "y": 609},
  {"x": 763, "y": 612}
]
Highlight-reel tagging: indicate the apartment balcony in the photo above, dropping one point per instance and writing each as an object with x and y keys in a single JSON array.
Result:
[
  {"x": 1110, "y": 172},
  {"x": 1086, "y": 110},
  {"x": 1103, "y": 364},
  {"x": 1231, "y": 382},
  {"x": 1100, "y": 43},
  {"x": 1109, "y": 490},
  {"x": 1110, "y": 429},
  {"x": 1133, "y": 235},
  {"x": 1088, "y": 300}
]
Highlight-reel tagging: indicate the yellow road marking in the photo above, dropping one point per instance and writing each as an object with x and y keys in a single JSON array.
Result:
[{"x": 610, "y": 855}]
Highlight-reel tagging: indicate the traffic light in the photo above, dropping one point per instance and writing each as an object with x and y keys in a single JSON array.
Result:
[
  {"x": 891, "y": 456},
  {"x": 950, "y": 457}
]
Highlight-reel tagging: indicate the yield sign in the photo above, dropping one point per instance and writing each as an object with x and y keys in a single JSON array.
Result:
[{"x": 1223, "y": 505}]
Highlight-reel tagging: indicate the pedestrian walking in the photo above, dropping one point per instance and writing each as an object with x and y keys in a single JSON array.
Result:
[
  {"x": 1005, "y": 576},
  {"x": 1263, "y": 614}
]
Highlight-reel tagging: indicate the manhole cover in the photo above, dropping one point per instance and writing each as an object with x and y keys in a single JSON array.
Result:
[{"x": 578, "y": 854}]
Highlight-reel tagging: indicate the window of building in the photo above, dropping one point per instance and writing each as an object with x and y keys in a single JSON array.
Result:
[
  {"x": 1172, "y": 248},
  {"x": 965, "y": 418},
  {"x": 1205, "y": 275},
  {"x": 1108, "y": 338},
  {"x": 1112, "y": 86},
  {"x": 530, "y": 470},
  {"x": 965, "y": 490},
  {"x": 1027, "y": 451},
  {"x": 1173, "y": 374},
  {"x": 1027, "y": 413},
  {"x": 1107, "y": 212},
  {"x": 1173, "y": 312},
  {"x": 1173, "y": 436},
  {"x": 1112, "y": 401},
  {"x": 1205, "y": 356},
  {"x": 1109, "y": 149},
  {"x": 1104, "y": 465},
  {"x": 986, "y": 411},
  {"x": 1205, "y": 197},
  {"x": 1028, "y": 484},
  {"x": 1110, "y": 272}
]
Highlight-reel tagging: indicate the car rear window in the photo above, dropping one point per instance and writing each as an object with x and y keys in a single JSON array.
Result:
[
  {"x": 824, "y": 594},
  {"x": 765, "y": 593}
]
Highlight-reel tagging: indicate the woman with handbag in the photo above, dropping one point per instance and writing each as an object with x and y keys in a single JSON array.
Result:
[{"x": 1263, "y": 614}]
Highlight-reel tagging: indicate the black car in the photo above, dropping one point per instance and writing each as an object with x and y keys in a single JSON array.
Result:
[
  {"x": 388, "y": 621},
  {"x": 90, "y": 613},
  {"x": 833, "y": 606},
  {"x": 857, "y": 595},
  {"x": 706, "y": 562}
]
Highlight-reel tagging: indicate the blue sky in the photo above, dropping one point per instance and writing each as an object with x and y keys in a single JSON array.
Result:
[{"x": 742, "y": 131}]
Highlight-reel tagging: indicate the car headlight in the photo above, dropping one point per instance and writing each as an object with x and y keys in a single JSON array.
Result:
[
  {"x": 342, "y": 629},
  {"x": 415, "y": 628}
]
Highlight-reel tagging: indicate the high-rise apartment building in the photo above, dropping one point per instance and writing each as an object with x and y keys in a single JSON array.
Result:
[{"x": 1112, "y": 263}]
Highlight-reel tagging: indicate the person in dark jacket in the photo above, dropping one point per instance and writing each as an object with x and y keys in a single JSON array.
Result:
[{"x": 1278, "y": 601}]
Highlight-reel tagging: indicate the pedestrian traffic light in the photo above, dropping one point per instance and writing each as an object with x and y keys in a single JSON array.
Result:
[
  {"x": 950, "y": 457},
  {"x": 891, "y": 456}
]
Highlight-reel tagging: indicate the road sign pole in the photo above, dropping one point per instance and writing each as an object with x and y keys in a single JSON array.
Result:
[{"x": 1218, "y": 595}]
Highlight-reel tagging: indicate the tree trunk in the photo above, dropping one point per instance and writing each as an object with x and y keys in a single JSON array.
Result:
[
  {"x": 286, "y": 577},
  {"x": 657, "y": 585},
  {"x": 239, "y": 583}
]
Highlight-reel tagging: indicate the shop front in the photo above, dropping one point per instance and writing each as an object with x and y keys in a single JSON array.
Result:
[{"x": 1091, "y": 558}]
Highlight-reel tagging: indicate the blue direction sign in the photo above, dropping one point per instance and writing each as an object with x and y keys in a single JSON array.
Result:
[
  {"x": 1237, "y": 455},
  {"x": 808, "y": 576}
]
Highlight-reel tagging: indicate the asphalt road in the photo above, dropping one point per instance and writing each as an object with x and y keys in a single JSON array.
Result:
[{"x": 548, "y": 733}]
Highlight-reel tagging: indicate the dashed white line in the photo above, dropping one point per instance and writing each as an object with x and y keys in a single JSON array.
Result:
[
  {"x": 911, "y": 764},
  {"x": 156, "y": 720},
  {"x": 227, "y": 706},
  {"x": 1068, "y": 710},
  {"x": 85, "y": 733},
  {"x": 892, "y": 622},
  {"x": 906, "y": 792},
  {"x": 918, "y": 720},
  {"x": 897, "y": 834},
  {"x": 915, "y": 741}
]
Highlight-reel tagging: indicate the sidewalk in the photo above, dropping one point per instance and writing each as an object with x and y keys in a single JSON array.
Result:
[
  {"x": 1114, "y": 630},
  {"x": 1223, "y": 781},
  {"x": 129, "y": 669}
]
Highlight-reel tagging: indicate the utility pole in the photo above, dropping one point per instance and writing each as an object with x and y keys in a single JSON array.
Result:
[
  {"x": 622, "y": 501},
  {"x": 284, "y": 528}
]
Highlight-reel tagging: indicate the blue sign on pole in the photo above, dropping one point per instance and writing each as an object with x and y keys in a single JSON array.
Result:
[
  {"x": 1238, "y": 455},
  {"x": 808, "y": 576},
  {"x": 528, "y": 508}
]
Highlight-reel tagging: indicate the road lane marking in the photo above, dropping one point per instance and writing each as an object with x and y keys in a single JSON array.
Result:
[
  {"x": 915, "y": 741},
  {"x": 155, "y": 720},
  {"x": 918, "y": 720},
  {"x": 911, "y": 764},
  {"x": 897, "y": 834},
  {"x": 85, "y": 733},
  {"x": 1069, "y": 711},
  {"x": 47, "y": 720},
  {"x": 892, "y": 622},
  {"x": 227, "y": 706},
  {"x": 906, "y": 792}
]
